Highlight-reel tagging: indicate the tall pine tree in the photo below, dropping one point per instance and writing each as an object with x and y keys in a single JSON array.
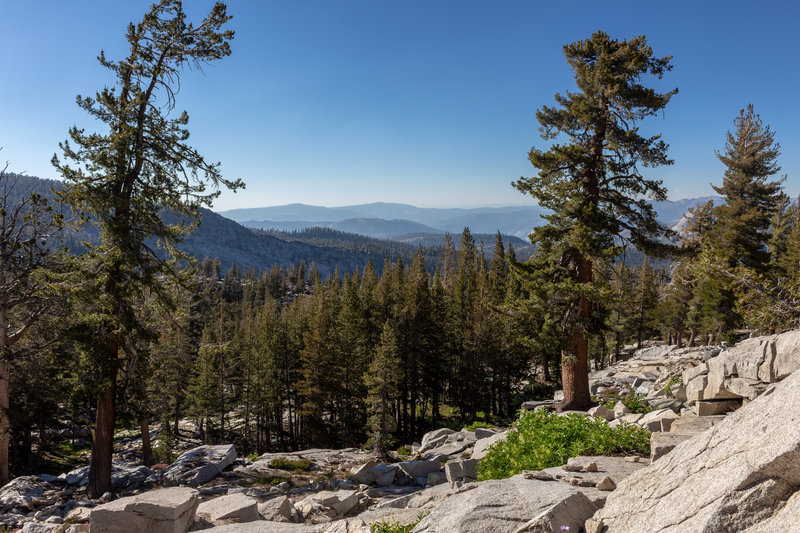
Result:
[
  {"x": 127, "y": 177},
  {"x": 593, "y": 183}
]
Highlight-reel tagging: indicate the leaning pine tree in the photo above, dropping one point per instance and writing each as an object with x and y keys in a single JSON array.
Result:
[
  {"x": 126, "y": 179},
  {"x": 592, "y": 182}
]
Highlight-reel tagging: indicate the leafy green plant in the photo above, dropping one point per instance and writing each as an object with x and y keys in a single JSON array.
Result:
[
  {"x": 404, "y": 451},
  {"x": 673, "y": 380},
  {"x": 253, "y": 457},
  {"x": 541, "y": 439},
  {"x": 291, "y": 464},
  {"x": 396, "y": 527},
  {"x": 636, "y": 403},
  {"x": 632, "y": 401},
  {"x": 478, "y": 424}
]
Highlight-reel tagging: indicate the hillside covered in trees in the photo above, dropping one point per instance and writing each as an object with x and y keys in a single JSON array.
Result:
[{"x": 358, "y": 342}]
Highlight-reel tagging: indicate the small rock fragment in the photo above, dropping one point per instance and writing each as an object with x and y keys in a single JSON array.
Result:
[
  {"x": 537, "y": 474},
  {"x": 606, "y": 484}
]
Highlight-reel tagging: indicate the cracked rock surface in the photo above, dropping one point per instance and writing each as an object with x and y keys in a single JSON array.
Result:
[{"x": 740, "y": 475}]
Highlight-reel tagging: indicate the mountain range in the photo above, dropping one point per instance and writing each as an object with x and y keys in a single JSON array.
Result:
[
  {"x": 346, "y": 237},
  {"x": 393, "y": 221}
]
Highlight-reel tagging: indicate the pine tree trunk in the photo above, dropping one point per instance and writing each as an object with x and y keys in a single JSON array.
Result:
[
  {"x": 691, "y": 340},
  {"x": 5, "y": 427},
  {"x": 575, "y": 359},
  {"x": 103, "y": 442},
  {"x": 147, "y": 449},
  {"x": 5, "y": 373}
]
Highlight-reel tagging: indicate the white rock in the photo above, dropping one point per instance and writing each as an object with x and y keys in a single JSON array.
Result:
[
  {"x": 200, "y": 465},
  {"x": 514, "y": 504},
  {"x": 787, "y": 355},
  {"x": 227, "y": 509},
  {"x": 415, "y": 469},
  {"x": 730, "y": 478},
  {"x": 620, "y": 410},
  {"x": 278, "y": 509},
  {"x": 694, "y": 371},
  {"x": 602, "y": 412},
  {"x": 482, "y": 445},
  {"x": 434, "y": 435},
  {"x": 372, "y": 474},
  {"x": 658, "y": 420},
  {"x": 606, "y": 484},
  {"x": 169, "y": 510}
]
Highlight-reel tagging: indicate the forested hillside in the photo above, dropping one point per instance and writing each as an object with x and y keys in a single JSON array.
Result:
[{"x": 325, "y": 339}]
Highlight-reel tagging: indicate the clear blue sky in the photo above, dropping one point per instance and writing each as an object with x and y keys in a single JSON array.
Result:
[{"x": 424, "y": 102}]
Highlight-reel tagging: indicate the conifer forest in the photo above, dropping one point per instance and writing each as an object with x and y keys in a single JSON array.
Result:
[{"x": 131, "y": 333}]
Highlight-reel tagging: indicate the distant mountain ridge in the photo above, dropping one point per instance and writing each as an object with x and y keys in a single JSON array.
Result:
[
  {"x": 378, "y": 228},
  {"x": 377, "y": 219}
]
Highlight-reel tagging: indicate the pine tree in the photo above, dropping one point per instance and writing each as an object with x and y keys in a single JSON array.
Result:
[
  {"x": 646, "y": 299},
  {"x": 750, "y": 201},
  {"x": 126, "y": 178},
  {"x": 28, "y": 229},
  {"x": 593, "y": 183},
  {"x": 381, "y": 381}
]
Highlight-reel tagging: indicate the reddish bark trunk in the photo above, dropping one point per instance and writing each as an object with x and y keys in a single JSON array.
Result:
[
  {"x": 103, "y": 443},
  {"x": 575, "y": 359}
]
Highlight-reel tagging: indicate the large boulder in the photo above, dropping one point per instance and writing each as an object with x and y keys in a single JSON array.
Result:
[
  {"x": 381, "y": 475},
  {"x": 229, "y": 509},
  {"x": 417, "y": 469},
  {"x": 200, "y": 465},
  {"x": 482, "y": 446},
  {"x": 22, "y": 492},
  {"x": 169, "y": 510},
  {"x": 278, "y": 509},
  {"x": 267, "y": 527},
  {"x": 514, "y": 504},
  {"x": 434, "y": 438},
  {"x": 739, "y": 474}
]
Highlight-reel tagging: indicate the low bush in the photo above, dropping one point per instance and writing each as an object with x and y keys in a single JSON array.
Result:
[
  {"x": 290, "y": 464},
  {"x": 673, "y": 380},
  {"x": 404, "y": 451},
  {"x": 540, "y": 439},
  {"x": 478, "y": 424},
  {"x": 636, "y": 403},
  {"x": 396, "y": 527}
]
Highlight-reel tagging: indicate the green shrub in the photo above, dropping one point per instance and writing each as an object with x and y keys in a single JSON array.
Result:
[
  {"x": 540, "y": 439},
  {"x": 673, "y": 380},
  {"x": 291, "y": 464},
  {"x": 404, "y": 451},
  {"x": 396, "y": 527},
  {"x": 632, "y": 401},
  {"x": 636, "y": 404},
  {"x": 478, "y": 424}
]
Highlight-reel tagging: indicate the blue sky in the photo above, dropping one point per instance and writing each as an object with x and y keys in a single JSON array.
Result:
[{"x": 424, "y": 102}]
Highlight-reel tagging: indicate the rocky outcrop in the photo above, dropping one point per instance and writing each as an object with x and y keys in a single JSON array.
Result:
[
  {"x": 740, "y": 475},
  {"x": 740, "y": 373},
  {"x": 169, "y": 510},
  {"x": 200, "y": 465},
  {"x": 229, "y": 509},
  {"x": 514, "y": 504}
]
